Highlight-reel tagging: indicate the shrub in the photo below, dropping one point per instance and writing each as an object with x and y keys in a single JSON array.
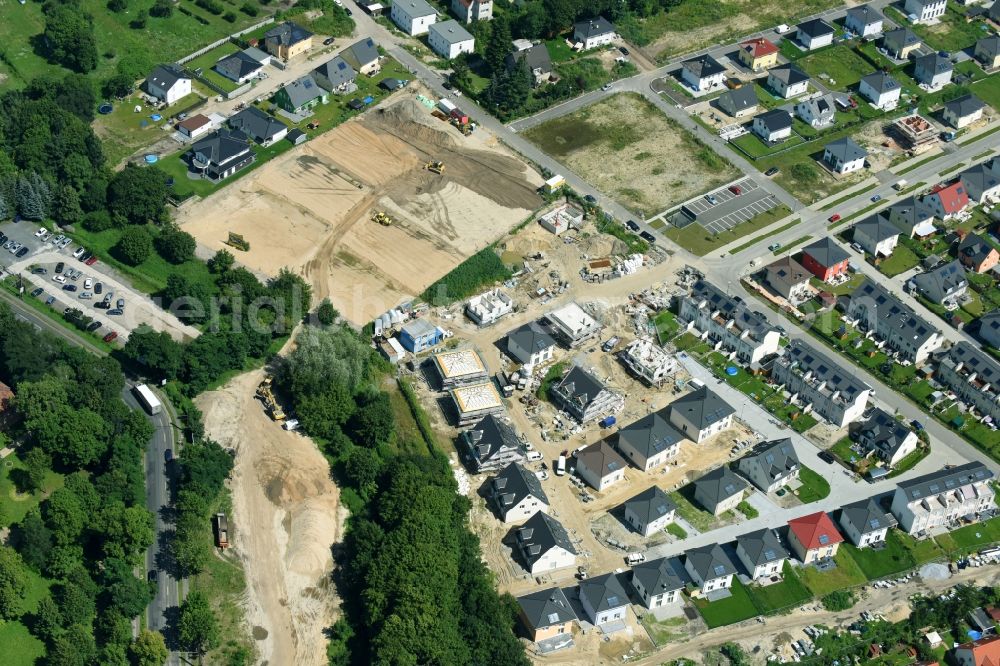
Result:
[
  {"x": 250, "y": 9},
  {"x": 838, "y": 600},
  {"x": 134, "y": 246},
  {"x": 464, "y": 280}
]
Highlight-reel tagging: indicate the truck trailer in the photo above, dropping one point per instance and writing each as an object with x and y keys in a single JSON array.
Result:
[{"x": 147, "y": 399}]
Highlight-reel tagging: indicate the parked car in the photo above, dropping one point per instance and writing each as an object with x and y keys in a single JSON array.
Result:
[
  {"x": 38, "y": 270},
  {"x": 877, "y": 197},
  {"x": 834, "y": 217},
  {"x": 69, "y": 287},
  {"x": 91, "y": 261},
  {"x": 114, "y": 312},
  {"x": 59, "y": 267},
  {"x": 623, "y": 50},
  {"x": 774, "y": 246},
  {"x": 120, "y": 303},
  {"x": 110, "y": 337},
  {"x": 590, "y": 198},
  {"x": 37, "y": 292},
  {"x": 632, "y": 226},
  {"x": 88, "y": 283},
  {"x": 93, "y": 326},
  {"x": 735, "y": 189},
  {"x": 710, "y": 198},
  {"x": 86, "y": 256},
  {"x": 328, "y": 41},
  {"x": 50, "y": 300},
  {"x": 78, "y": 252},
  {"x": 826, "y": 457},
  {"x": 773, "y": 171},
  {"x": 40, "y": 232},
  {"x": 98, "y": 288},
  {"x": 87, "y": 295},
  {"x": 646, "y": 236}
]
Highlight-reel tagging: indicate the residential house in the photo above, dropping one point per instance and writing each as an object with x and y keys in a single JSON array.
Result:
[
  {"x": 449, "y": 39},
  {"x": 728, "y": 323},
  {"x": 650, "y": 441},
  {"x": 922, "y": 11},
  {"x": 844, "y": 156},
  {"x": 790, "y": 279},
  {"x": 489, "y": 307},
  {"x": 758, "y": 54},
  {"x": 414, "y": 17},
  {"x": 788, "y": 81},
  {"x": 963, "y": 111},
  {"x": 709, "y": 567},
  {"x": 880, "y": 312},
  {"x": 770, "y": 465},
  {"x": 563, "y": 217},
  {"x": 982, "y": 182},
  {"x": 491, "y": 444},
  {"x": 982, "y": 652},
  {"x": 546, "y": 614},
  {"x": 977, "y": 254},
  {"x": 301, "y": 95},
  {"x": 221, "y": 154},
  {"x": 825, "y": 259},
  {"x": 537, "y": 60},
  {"x": 989, "y": 328},
  {"x": 572, "y": 325},
  {"x": 660, "y": 582},
  {"x": 582, "y": 395},
  {"x": 739, "y": 102},
  {"x": 813, "y": 537},
  {"x": 363, "y": 56},
  {"x": 648, "y": 361},
  {"x": 876, "y": 235},
  {"x": 946, "y": 284},
  {"x": 650, "y": 511},
  {"x": 592, "y": 33},
  {"x": 881, "y": 90},
  {"x": 980, "y": 621},
  {"x": 887, "y": 438},
  {"x": 773, "y": 126},
  {"x": 948, "y": 200},
  {"x": 933, "y": 70},
  {"x": 335, "y": 75},
  {"x": 974, "y": 376},
  {"x": 238, "y": 67},
  {"x": 814, "y": 34},
  {"x": 530, "y": 344},
  {"x": 418, "y": 335},
  {"x": 994, "y": 13},
  {"x": 987, "y": 51},
  {"x": 912, "y": 217},
  {"x": 262, "y": 127},
  {"x": 543, "y": 544},
  {"x": 287, "y": 40},
  {"x": 168, "y": 83},
  {"x": 900, "y": 43},
  {"x": 194, "y": 126},
  {"x": 828, "y": 388},
  {"x": 719, "y": 491},
  {"x": 600, "y": 465},
  {"x": 761, "y": 553},
  {"x": 818, "y": 111},
  {"x": 701, "y": 414},
  {"x": 263, "y": 57},
  {"x": 943, "y": 498},
  {"x": 468, "y": 11},
  {"x": 865, "y": 522},
  {"x": 864, "y": 21},
  {"x": 703, "y": 73},
  {"x": 517, "y": 494},
  {"x": 604, "y": 599}
]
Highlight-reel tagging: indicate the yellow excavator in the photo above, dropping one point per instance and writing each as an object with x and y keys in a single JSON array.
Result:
[
  {"x": 435, "y": 167},
  {"x": 381, "y": 218},
  {"x": 267, "y": 397}
]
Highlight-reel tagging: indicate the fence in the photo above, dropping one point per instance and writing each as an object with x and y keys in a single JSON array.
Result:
[{"x": 220, "y": 42}]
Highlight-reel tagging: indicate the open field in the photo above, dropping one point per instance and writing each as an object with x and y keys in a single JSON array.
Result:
[
  {"x": 840, "y": 63},
  {"x": 847, "y": 574},
  {"x": 730, "y": 610},
  {"x": 625, "y": 147},
  {"x": 304, "y": 209}
]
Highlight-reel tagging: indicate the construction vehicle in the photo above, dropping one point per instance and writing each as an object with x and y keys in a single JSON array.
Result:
[
  {"x": 381, "y": 218},
  {"x": 435, "y": 167},
  {"x": 266, "y": 396},
  {"x": 464, "y": 127},
  {"x": 221, "y": 531},
  {"x": 237, "y": 241}
]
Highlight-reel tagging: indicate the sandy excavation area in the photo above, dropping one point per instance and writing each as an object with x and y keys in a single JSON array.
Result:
[
  {"x": 286, "y": 515},
  {"x": 310, "y": 209}
]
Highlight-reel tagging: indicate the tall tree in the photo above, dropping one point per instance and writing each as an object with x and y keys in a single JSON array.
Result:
[
  {"x": 69, "y": 38},
  {"x": 197, "y": 628},
  {"x": 499, "y": 45},
  {"x": 138, "y": 194},
  {"x": 135, "y": 246},
  {"x": 149, "y": 649},
  {"x": 66, "y": 208},
  {"x": 29, "y": 202},
  {"x": 176, "y": 246},
  {"x": 13, "y": 583}
]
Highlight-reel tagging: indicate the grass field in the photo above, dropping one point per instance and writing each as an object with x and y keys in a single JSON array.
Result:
[
  {"x": 700, "y": 241},
  {"x": 840, "y": 63},
  {"x": 20, "y": 648},
  {"x": 846, "y": 574},
  {"x": 952, "y": 33},
  {"x": 698, "y": 518},
  {"x": 780, "y": 596},
  {"x": 971, "y": 537},
  {"x": 14, "y": 505},
  {"x": 895, "y": 558},
  {"x": 738, "y": 607},
  {"x": 122, "y": 131},
  {"x": 206, "y": 61},
  {"x": 664, "y": 631},
  {"x": 814, "y": 487}
]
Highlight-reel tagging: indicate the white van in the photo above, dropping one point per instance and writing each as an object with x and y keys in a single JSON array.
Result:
[
  {"x": 561, "y": 466},
  {"x": 534, "y": 456},
  {"x": 634, "y": 558}
]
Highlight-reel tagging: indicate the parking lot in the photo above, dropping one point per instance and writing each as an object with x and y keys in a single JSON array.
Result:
[{"x": 730, "y": 209}]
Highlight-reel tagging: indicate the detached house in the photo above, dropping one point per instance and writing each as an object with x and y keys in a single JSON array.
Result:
[
  {"x": 544, "y": 544},
  {"x": 933, "y": 70},
  {"x": 449, "y": 39},
  {"x": 650, "y": 511},
  {"x": 982, "y": 652},
  {"x": 912, "y": 217},
  {"x": 788, "y": 81},
  {"x": 876, "y": 235},
  {"x": 982, "y": 181},
  {"x": 813, "y": 537},
  {"x": 963, "y": 111},
  {"x": 262, "y": 127},
  {"x": 537, "y": 60},
  {"x": 703, "y": 73},
  {"x": 287, "y": 40},
  {"x": 758, "y": 54},
  {"x": 491, "y": 444},
  {"x": 922, "y": 11},
  {"x": 600, "y": 465},
  {"x": 881, "y": 90},
  {"x": 530, "y": 344},
  {"x": 974, "y": 376},
  {"x": 825, "y": 259},
  {"x": 301, "y": 95},
  {"x": 946, "y": 284},
  {"x": 168, "y": 83},
  {"x": 739, "y": 102},
  {"x": 943, "y": 498},
  {"x": 865, "y": 523},
  {"x": 864, "y": 21},
  {"x": 701, "y": 414},
  {"x": 879, "y": 312},
  {"x": 546, "y": 614},
  {"x": 582, "y": 395},
  {"x": 335, "y": 75},
  {"x": 728, "y": 323},
  {"x": 650, "y": 442},
  {"x": 659, "y": 582},
  {"x": 221, "y": 154},
  {"x": 773, "y": 126},
  {"x": 362, "y": 56},
  {"x": 947, "y": 201},
  {"x": 770, "y": 465},
  {"x": 414, "y": 17},
  {"x": 817, "y": 112},
  {"x": 976, "y": 254},
  {"x": 790, "y": 279},
  {"x": 719, "y": 491},
  {"x": 593, "y": 33},
  {"x": 815, "y": 381},
  {"x": 468, "y": 11},
  {"x": 604, "y": 599},
  {"x": 761, "y": 553},
  {"x": 814, "y": 34},
  {"x": 900, "y": 43},
  {"x": 887, "y": 438},
  {"x": 239, "y": 67},
  {"x": 709, "y": 567},
  {"x": 194, "y": 126},
  {"x": 517, "y": 494},
  {"x": 844, "y": 156},
  {"x": 987, "y": 51}
]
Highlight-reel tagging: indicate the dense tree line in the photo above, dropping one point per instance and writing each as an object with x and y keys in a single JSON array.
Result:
[{"x": 482, "y": 268}]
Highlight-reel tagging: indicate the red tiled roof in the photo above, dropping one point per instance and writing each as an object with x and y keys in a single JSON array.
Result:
[
  {"x": 953, "y": 197},
  {"x": 815, "y": 530},
  {"x": 759, "y": 47},
  {"x": 985, "y": 652},
  {"x": 194, "y": 122}
]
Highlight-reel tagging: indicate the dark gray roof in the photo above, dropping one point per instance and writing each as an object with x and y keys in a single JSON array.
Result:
[
  {"x": 740, "y": 99},
  {"x": 982, "y": 177},
  {"x": 604, "y": 592},
  {"x": 532, "y": 337},
  {"x": 933, "y": 63},
  {"x": 303, "y": 90},
  {"x": 745, "y": 318},
  {"x": 601, "y": 458},
  {"x": 835, "y": 376},
  {"x": 789, "y": 270},
  {"x": 762, "y": 547},
  {"x": 489, "y": 437},
  {"x": 540, "y": 534},
  {"x": 865, "y": 14},
  {"x": 720, "y": 484},
  {"x": 846, "y": 149},
  {"x": 578, "y": 387},
  {"x": 650, "y": 505},
  {"x": 256, "y": 124},
  {"x": 990, "y": 321},
  {"x": 237, "y": 65},
  {"x": 702, "y": 407},
  {"x": 942, "y": 279},
  {"x": 880, "y": 82},
  {"x": 546, "y": 608},
  {"x": 451, "y": 31},
  {"x": 775, "y": 120},
  {"x": 334, "y": 72},
  {"x": 221, "y": 146},
  {"x": 777, "y": 458},
  {"x": 661, "y": 575},
  {"x": 892, "y": 312},
  {"x": 788, "y": 74},
  {"x": 287, "y": 34},
  {"x": 989, "y": 45},
  {"x": 995, "y": 11},
  {"x": 165, "y": 76},
  {"x": 867, "y": 516},
  {"x": 886, "y": 432},
  {"x": 909, "y": 213},
  {"x": 900, "y": 37},
  {"x": 821, "y": 105},
  {"x": 975, "y": 360},
  {"x": 826, "y": 252},
  {"x": 944, "y": 480},
  {"x": 964, "y": 105},
  {"x": 513, "y": 483},
  {"x": 975, "y": 248},
  {"x": 877, "y": 228},
  {"x": 704, "y": 66},
  {"x": 361, "y": 53},
  {"x": 593, "y": 27},
  {"x": 650, "y": 435},
  {"x": 710, "y": 562},
  {"x": 536, "y": 57},
  {"x": 815, "y": 28}
]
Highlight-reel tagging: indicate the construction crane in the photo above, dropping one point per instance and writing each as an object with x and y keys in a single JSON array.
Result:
[
  {"x": 267, "y": 397},
  {"x": 435, "y": 167},
  {"x": 381, "y": 218}
]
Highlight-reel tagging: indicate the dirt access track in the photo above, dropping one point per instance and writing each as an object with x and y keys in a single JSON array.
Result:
[{"x": 310, "y": 210}]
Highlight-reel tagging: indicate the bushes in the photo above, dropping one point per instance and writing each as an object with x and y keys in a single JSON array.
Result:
[
  {"x": 481, "y": 269},
  {"x": 210, "y": 6},
  {"x": 838, "y": 600},
  {"x": 134, "y": 247}
]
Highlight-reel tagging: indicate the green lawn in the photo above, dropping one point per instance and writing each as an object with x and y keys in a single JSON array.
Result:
[
  {"x": 894, "y": 558},
  {"x": 953, "y": 33},
  {"x": 700, "y": 241},
  {"x": 206, "y": 61},
  {"x": 747, "y": 510},
  {"x": 780, "y": 596},
  {"x": 666, "y": 325},
  {"x": 901, "y": 260},
  {"x": 677, "y": 531},
  {"x": 756, "y": 149},
  {"x": 698, "y": 518},
  {"x": 970, "y": 537},
  {"x": 988, "y": 90},
  {"x": 14, "y": 505},
  {"x": 738, "y": 607},
  {"x": 814, "y": 487},
  {"x": 122, "y": 132},
  {"x": 666, "y": 630},
  {"x": 20, "y": 648},
  {"x": 847, "y": 574},
  {"x": 839, "y": 63}
]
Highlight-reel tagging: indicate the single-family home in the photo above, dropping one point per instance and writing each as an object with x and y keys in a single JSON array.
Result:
[
  {"x": 468, "y": 11},
  {"x": 946, "y": 284},
  {"x": 987, "y": 51},
  {"x": 982, "y": 652},
  {"x": 726, "y": 322},
  {"x": 168, "y": 83},
  {"x": 418, "y": 335},
  {"x": 488, "y": 307},
  {"x": 593, "y": 32},
  {"x": 220, "y": 155},
  {"x": 818, "y": 111},
  {"x": 761, "y": 553},
  {"x": 263, "y": 57},
  {"x": 414, "y": 17},
  {"x": 530, "y": 344},
  {"x": 790, "y": 279},
  {"x": 814, "y": 34},
  {"x": 994, "y": 13},
  {"x": 650, "y": 441},
  {"x": 865, "y": 522},
  {"x": 363, "y": 56},
  {"x": 739, "y": 102},
  {"x": 813, "y": 537},
  {"x": 491, "y": 444},
  {"x": 770, "y": 465},
  {"x": 844, "y": 155},
  {"x": 335, "y": 75},
  {"x": 825, "y": 259},
  {"x": 886, "y": 437},
  {"x": 989, "y": 328},
  {"x": 701, "y": 414},
  {"x": 933, "y": 70},
  {"x": 239, "y": 67},
  {"x": 546, "y": 614},
  {"x": 881, "y": 313},
  {"x": 720, "y": 490},
  {"x": 287, "y": 40},
  {"x": 974, "y": 376},
  {"x": 943, "y": 498},
  {"x": 604, "y": 599},
  {"x": 864, "y": 21},
  {"x": 982, "y": 181},
  {"x": 963, "y": 111},
  {"x": 881, "y": 90},
  {"x": 543, "y": 544},
  {"x": 600, "y": 465},
  {"x": 922, "y": 11},
  {"x": 758, "y": 54},
  {"x": 660, "y": 582},
  {"x": 650, "y": 511},
  {"x": 262, "y": 127},
  {"x": 946, "y": 201},
  {"x": 572, "y": 325},
  {"x": 980, "y": 620},
  {"x": 900, "y": 43},
  {"x": 815, "y": 381},
  {"x": 976, "y": 254},
  {"x": 449, "y": 39},
  {"x": 301, "y": 95},
  {"x": 709, "y": 567},
  {"x": 913, "y": 217},
  {"x": 517, "y": 494},
  {"x": 582, "y": 395},
  {"x": 703, "y": 73},
  {"x": 648, "y": 361},
  {"x": 773, "y": 126},
  {"x": 876, "y": 235},
  {"x": 536, "y": 58},
  {"x": 788, "y": 81},
  {"x": 194, "y": 126}
]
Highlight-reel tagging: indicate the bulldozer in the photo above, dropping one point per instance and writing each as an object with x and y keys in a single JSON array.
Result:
[
  {"x": 237, "y": 241},
  {"x": 381, "y": 218},
  {"x": 435, "y": 167},
  {"x": 266, "y": 396}
]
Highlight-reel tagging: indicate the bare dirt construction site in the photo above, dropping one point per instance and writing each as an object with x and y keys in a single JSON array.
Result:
[
  {"x": 627, "y": 148},
  {"x": 286, "y": 515},
  {"x": 310, "y": 210}
]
